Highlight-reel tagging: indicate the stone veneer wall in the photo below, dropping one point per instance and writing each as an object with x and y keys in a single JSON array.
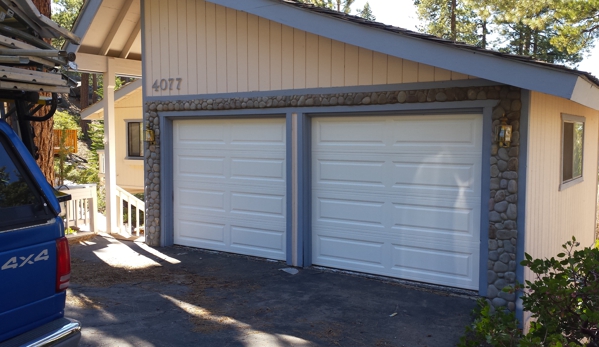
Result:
[{"x": 503, "y": 233}]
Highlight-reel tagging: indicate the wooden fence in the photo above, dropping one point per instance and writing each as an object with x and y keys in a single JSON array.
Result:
[{"x": 70, "y": 140}]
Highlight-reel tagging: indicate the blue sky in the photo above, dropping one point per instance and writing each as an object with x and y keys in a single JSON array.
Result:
[{"x": 402, "y": 13}]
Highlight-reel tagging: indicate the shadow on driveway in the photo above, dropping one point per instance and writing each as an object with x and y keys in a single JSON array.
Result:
[{"x": 128, "y": 294}]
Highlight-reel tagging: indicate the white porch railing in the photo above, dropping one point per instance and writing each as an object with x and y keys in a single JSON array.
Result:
[
  {"x": 134, "y": 206},
  {"x": 82, "y": 209}
]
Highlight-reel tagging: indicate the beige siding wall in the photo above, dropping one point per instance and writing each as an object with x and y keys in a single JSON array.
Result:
[
  {"x": 554, "y": 216},
  {"x": 129, "y": 173},
  {"x": 219, "y": 50}
]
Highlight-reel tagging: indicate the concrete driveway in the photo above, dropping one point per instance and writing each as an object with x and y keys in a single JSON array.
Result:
[{"x": 128, "y": 294}]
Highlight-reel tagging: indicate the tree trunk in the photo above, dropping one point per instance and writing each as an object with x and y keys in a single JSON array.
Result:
[
  {"x": 43, "y": 130},
  {"x": 453, "y": 19}
]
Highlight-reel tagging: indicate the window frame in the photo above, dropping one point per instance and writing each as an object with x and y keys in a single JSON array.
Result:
[
  {"x": 568, "y": 118},
  {"x": 128, "y": 155}
]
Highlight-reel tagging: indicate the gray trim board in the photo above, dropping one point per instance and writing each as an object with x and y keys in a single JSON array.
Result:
[
  {"x": 451, "y": 57},
  {"x": 84, "y": 20},
  {"x": 166, "y": 182},
  {"x": 289, "y": 186},
  {"x": 484, "y": 199},
  {"x": 332, "y": 110},
  {"x": 522, "y": 181},
  {"x": 332, "y": 90},
  {"x": 304, "y": 138}
]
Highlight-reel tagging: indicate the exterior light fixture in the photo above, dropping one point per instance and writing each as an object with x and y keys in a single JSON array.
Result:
[
  {"x": 503, "y": 133},
  {"x": 149, "y": 135}
]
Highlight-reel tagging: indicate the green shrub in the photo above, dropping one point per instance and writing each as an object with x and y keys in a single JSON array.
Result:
[{"x": 563, "y": 301}]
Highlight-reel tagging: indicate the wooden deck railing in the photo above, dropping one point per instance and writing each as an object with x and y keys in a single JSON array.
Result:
[
  {"x": 134, "y": 208},
  {"x": 70, "y": 140}
]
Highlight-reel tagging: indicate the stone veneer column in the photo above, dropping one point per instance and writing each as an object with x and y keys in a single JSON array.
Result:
[{"x": 503, "y": 205}]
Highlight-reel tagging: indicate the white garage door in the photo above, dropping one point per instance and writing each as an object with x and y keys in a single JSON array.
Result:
[
  {"x": 398, "y": 196},
  {"x": 229, "y": 185}
]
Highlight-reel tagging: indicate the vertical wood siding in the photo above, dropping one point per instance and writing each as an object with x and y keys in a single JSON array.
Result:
[
  {"x": 219, "y": 50},
  {"x": 554, "y": 216}
]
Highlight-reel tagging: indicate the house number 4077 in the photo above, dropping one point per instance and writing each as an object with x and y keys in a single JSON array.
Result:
[{"x": 167, "y": 83}]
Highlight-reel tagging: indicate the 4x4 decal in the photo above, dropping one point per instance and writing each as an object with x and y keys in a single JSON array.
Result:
[{"x": 13, "y": 263}]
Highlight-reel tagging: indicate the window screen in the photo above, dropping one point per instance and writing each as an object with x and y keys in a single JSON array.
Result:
[{"x": 572, "y": 150}]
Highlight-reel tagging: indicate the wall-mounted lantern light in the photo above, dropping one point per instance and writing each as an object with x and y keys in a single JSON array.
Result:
[
  {"x": 503, "y": 133},
  {"x": 149, "y": 135}
]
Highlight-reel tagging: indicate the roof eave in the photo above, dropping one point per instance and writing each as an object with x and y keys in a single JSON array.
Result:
[
  {"x": 96, "y": 111},
  {"x": 83, "y": 22}
]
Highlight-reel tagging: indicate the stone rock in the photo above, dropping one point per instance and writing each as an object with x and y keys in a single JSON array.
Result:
[
  {"x": 512, "y": 212},
  {"x": 502, "y": 165},
  {"x": 499, "y": 196},
  {"x": 513, "y": 95},
  {"x": 382, "y": 99},
  {"x": 494, "y": 149},
  {"x": 472, "y": 94},
  {"x": 494, "y": 171},
  {"x": 499, "y": 302},
  {"x": 494, "y": 183},
  {"x": 492, "y": 245},
  {"x": 512, "y": 198},
  {"x": 493, "y": 160},
  {"x": 503, "y": 154},
  {"x": 482, "y": 95},
  {"x": 511, "y": 306},
  {"x": 498, "y": 113},
  {"x": 500, "y": 284},
  {"x": 500, "y": 267},
  {"x": 512, "y": 164},
  {"x": 491, "y": 204},
  {"x": 505, "y": 258},
  {"x": 512, "y": 265},
  {"x": 509, "y": 224},
  {"x": 366, "y": 101},
  {"x": 507, "y": 296},
  {"x": 402, "y": 97},
  {"x": 515, "y": 127},
  {"x": 501, "y": 206},
  {"x": 494, "y": 217},
  {"x": 441, "y": 97},
  {"x": 504, "y": 234},
  {"x": 503, "y": 184},
  {"x": 510, "y": 277},
  {"x": 512, "y": 186},
  {"x": 492, "y": 232},
  {"x": 510, "y": 175},
  {"x": 492, "y": 291},
  {"x": 493, "y": 255}
]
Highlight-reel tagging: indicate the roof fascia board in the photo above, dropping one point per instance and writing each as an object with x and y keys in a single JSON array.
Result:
[
  {"x": 487, "y": 66},
  {"x": 99, "y": 64},
  {"x": 94, "y": 111},
  {"x": 586, "y": 93},
  {"x": 83, "y": 22}
]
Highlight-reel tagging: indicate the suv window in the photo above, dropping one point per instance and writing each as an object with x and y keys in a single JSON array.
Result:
[{"x": 20, "y": 203}]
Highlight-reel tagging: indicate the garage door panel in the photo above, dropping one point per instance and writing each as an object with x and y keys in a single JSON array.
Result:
[
  {"x": 244, "y": 237},
  {"x": 198, "y": 167},
  {"x": 434, "y": 217},
  {"x": 202, "y": 231},
  {"x": 329, "y": 132},
  {"x": 435, "y": 131},
  {"x": 258, "y": 133},
  {"x": 258, "y": 169},
  {"x": 350, "y": 251},
  {"x": 258, "y": 204},
  {"x": 434, "y": 175},
  {"x": 229, "y": 185},
  {"x": 401, "y": 199}
]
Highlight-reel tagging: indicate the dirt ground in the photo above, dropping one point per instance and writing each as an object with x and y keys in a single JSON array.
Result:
[{"x": 128, "y": 294}]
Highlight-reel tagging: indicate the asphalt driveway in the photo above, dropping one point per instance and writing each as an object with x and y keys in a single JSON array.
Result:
[{"x": 128, "y": 294}]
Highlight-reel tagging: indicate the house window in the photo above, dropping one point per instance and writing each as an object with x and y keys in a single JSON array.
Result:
[
  {"x": 572, "y": 149},
  {"x": 135, "y": 145}
]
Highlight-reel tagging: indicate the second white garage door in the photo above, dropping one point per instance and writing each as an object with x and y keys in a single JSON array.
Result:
[
  {"x": 229, "y": 185},
  {"x": 398, "y": 196}
]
